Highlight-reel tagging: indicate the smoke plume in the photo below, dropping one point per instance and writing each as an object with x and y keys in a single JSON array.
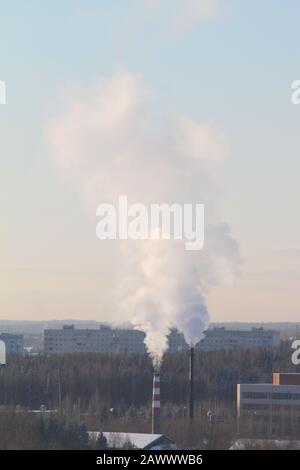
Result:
[
  {"x": 110, "y": 140},
  {"x": 184, "y": 16}
]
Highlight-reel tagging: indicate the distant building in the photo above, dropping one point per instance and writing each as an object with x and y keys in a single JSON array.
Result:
[
  {"x": 103, "y": 340},
  {"x": 118, "y": 440},
  {"x": 265, "y": 444},
  {"x": 177, "y": 343},
  {"x": 128, "y": 341},
  {"x": 14, "y": 344},
  {"x": 116, "y": 340},
  {"x": 222, "y": 339},
  {"x": 270, "y": 409}
]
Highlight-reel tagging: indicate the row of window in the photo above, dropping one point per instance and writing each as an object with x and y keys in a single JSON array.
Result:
[{"x": 271, "y": 396}]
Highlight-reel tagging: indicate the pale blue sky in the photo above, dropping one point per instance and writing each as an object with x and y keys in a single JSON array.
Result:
[{"x": 235, "y": 70}]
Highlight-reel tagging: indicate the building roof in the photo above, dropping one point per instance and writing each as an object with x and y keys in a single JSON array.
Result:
[
  {"x": 138, "y": 440},
  {"x": 264, "y": 444}
]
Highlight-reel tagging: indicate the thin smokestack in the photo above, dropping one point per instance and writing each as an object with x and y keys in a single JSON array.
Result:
[
  {"x": 156, "y": 404},
  {"x": 191, "y": 408}
]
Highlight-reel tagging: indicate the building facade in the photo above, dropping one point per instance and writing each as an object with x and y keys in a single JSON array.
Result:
[
  {"x": 222, "y": 339},
  {"x": 270, "y": 409},
  {"x": 110, "y": 340},
  {"x": 120, "y": 440},
  {"x": 176, "y": 341},
  {"x": 102, "y": 340}
]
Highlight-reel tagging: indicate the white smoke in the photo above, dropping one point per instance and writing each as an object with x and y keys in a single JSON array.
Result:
[
  {"x": 110, "y": 141},
  {"x": 183, "y": 16}
]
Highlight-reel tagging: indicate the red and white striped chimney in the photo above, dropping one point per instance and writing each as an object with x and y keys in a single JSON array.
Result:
[{"x": 156, "y": 404}]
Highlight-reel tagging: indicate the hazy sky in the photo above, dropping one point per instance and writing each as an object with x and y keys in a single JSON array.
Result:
[{"x": 229, "y": 63}]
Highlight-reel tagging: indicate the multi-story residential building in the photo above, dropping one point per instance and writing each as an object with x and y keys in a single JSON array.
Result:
[
  {"x": 104, "y": 340},
  {"x": 222, "y": 339},
  {"x": 109, "y": 340},
  {"x": 177, "y": 342},
  {"x": 14, "y": 344},
  {"x": 272, "y": 408},
  {"x": 129, "y": 341}
]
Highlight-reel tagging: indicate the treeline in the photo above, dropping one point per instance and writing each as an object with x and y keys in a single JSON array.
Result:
[
  {"x": 102, "y": 382},
  {"x": 98, "y": 392},
  {"x": 24, "y": 431}
]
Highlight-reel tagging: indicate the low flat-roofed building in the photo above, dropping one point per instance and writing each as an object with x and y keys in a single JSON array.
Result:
[
  {"x": 286, "y": 378},
  {"x": 265, "y": 444},
  {"x": 118, "y": 440},
  {"x": 273, "y": 408}
]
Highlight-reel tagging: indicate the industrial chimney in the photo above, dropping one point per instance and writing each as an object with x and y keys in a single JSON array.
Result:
[
  {"x": 191, "y": 377},
  {"x": 156, "y": 404}
]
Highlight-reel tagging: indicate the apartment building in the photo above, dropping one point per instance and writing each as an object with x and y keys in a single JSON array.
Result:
[
  {"x": 110, "y": 340},
  {"x": 222, "y": 339},
  {"x": 128, "y": 341},
  {"x": 103, "y": 340},
  {"x": 177, "y": 343}
]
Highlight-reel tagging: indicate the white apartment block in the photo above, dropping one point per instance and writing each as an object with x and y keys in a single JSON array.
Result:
[
  {"x": 177, "y": 342},
  {"x": 103, "y": 340},
  {"x": 109, "y": 340},
  {"x": 222, "y": 339}
]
